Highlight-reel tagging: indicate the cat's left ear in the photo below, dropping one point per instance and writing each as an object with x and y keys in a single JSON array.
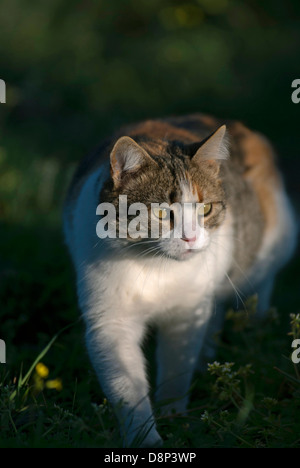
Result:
[
  {"x": 214, "y": 147},
  {"x": 127, "y": 156}
]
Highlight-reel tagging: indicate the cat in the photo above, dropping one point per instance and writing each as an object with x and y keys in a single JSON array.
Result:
[{"x": 244, "y": 236}]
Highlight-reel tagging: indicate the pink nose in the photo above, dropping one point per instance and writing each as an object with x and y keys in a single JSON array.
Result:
[{"x": 189, "y": 239}]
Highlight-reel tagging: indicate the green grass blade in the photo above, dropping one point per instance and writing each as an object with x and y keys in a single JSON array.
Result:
[{"x": 24, "y": 380}]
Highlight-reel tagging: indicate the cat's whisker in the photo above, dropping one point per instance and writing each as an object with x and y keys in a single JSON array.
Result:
[
  {"x": 142, "y": 242},
  {"x": 147, "y": 251},
  {"x": 125, "y": 248},
  {"x": 237, "y": 292},
  {"x": 150, "y": 261},
  {"x": 230, "y": 236},
  {"x": 163, "y": 262},
  {"x": 237, "y": 265},
  {"x": 97, "y": 243}
]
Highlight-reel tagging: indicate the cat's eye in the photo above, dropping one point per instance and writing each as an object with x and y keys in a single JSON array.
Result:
[
  {"x": 205, "y": 209},
  {"x": 160, "y": 213}
]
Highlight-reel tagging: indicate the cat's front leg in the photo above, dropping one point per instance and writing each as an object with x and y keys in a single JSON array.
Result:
[
  {"x": 180, "y": 339},
  {"x": 215, "y": 326},
  {"x": 113, "y": 342}
]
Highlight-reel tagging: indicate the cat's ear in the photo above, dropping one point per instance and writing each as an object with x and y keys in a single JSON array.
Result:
[
  {"x": 214, "y": 147},
  {"x": 127, "y": 156}
]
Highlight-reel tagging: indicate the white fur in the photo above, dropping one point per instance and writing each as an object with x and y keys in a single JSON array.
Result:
[{"x": 120, "y": 296}]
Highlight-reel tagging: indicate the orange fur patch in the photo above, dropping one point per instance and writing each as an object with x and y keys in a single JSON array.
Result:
[
  {"x": 197, "y": 191},
  {"x": 163, "y": 131},
  {"x": 261, "y": 172}
]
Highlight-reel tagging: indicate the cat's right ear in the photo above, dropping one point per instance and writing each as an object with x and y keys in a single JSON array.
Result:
[
  {"x": 127, "y": 156},
  {"x": 214, "y": 147}
]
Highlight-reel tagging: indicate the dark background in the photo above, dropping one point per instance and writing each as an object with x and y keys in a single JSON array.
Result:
[{"x": 77, "y": 70}]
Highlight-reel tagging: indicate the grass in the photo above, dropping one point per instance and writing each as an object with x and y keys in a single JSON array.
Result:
[
  {"x": 250, "y": 401},
  {"x": 250, "y": 397}
]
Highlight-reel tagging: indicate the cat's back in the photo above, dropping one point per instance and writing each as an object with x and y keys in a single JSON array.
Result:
[{"x": 249, "y": 152}]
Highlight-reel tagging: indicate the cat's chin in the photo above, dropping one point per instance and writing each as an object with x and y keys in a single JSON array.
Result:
[
  {"x": 185, "y": 255},
  {"x": 189, "y": 253}
]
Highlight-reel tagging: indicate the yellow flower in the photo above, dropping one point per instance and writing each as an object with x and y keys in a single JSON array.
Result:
[
  {"x": 42, "y": 370},
  {"x": 54, "y": 384},
  {"x": 38, "y": 384}
]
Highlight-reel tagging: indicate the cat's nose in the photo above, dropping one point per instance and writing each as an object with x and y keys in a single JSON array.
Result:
[{"x": 189, "y": 239}]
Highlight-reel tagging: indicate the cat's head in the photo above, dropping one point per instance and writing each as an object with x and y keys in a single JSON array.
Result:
[{"x": 184, "y": 179}]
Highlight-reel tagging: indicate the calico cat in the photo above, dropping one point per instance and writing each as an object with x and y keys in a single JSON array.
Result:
[{"x": 244, "y": 235}]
